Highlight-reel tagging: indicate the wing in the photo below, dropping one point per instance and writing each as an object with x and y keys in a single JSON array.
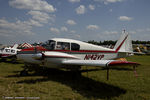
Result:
[{"x": 102, "y": 63}]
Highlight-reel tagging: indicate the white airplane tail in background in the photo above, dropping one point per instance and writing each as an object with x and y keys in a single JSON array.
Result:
[
  {"x": 124, "y": 44},
  {"x": 15, "y": 46}
]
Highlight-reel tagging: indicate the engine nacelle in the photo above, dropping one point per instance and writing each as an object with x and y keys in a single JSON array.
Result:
[{"x": 37, "y": 56}]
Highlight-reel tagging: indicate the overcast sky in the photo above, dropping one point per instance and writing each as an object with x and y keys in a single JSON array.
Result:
[{"x": 39, "y": 20}]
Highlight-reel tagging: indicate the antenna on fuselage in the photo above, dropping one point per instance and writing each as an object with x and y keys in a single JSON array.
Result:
[{"x": 124, "y": 30}]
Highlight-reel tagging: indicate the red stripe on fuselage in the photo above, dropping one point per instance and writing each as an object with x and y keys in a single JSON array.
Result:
[
  {"x": 59, "y": 56},
  {"x": 80, "y": 51},
  {"x": 96, "y": 51},
  {"x": 40, "y": 48}
]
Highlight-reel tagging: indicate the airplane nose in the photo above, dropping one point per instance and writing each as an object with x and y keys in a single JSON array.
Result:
[{"x": 37, "y": 56}]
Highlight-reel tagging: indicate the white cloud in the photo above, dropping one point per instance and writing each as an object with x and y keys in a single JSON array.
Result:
[
  {"x": 143, "y": 30},
  {"x": 64, "y": 29},
  {"x": 140, "y": 30},
  {"x": 72, "y": 32},
  {"x": 108, "y": 1},
  {"x": 81, "y": 9},
  {"x": 39, "y": 5},
  {"x": 132, "y": 32},
  {"x": 113, "y": 1},
  {"x": 71, "y": 22},
  {"x": 77, "y": 35},
  {"x": 125, "y": 18},
  {"x": 40, "y": 16},
  {"x": 91, "y": 7},
  {"x": 148, "y": 29},
  {"x": 17, "y": 28},
  {"x": 34, "y": 23},
  {"x": 110, "y": 32},
  {"x": 110, "y": 10},
  {"x": 55, "y": 30},
  {"x": 73, "y": 1},
  {"x": 92, "y": 27}
]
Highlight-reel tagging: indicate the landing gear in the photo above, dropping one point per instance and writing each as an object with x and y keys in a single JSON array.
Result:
[
  {"x": 3, "y": 59},
  {"x": 30, "y": 69},
  {"x": 134, "y": 70},
  {"x": 14, "y": 60},
  {"x": 76, "y": 73},
  {"x": 24, "y": 73}
]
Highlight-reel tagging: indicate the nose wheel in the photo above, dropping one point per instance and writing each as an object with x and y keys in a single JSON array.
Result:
[{"x": 24, "y": 73}]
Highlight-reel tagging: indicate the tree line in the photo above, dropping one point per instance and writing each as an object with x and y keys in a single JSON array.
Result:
[{"x": 108, "y": 42}]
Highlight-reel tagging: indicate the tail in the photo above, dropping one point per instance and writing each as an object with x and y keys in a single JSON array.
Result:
[
  {"x": 124, "y": 44},
  {"x": 15, "y": 46}
]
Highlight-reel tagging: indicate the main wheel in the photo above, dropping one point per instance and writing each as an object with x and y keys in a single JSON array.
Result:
[{"x": 24, "y": 73}]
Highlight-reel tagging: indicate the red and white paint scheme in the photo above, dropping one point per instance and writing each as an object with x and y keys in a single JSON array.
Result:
[
  {"x": 9, "y": 51},
  {"x": 68, "y": 53},
  {"x": 25, "y": 45}
]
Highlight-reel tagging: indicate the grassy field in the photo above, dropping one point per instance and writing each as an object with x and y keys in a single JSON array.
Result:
[{"x": 60, "y": 85}]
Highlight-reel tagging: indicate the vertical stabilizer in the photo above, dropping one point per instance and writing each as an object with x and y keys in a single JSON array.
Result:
[
  {"x": 124, "y": 44},
  {"x": 15, "y": 46}
]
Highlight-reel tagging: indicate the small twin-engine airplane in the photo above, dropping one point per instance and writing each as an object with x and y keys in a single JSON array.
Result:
[
  {"x": 72, "y": 54},
  {"x": 7, "y": 52}
]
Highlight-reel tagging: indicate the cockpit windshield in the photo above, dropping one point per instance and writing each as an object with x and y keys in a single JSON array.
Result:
[{"x": 50, "y": 44}]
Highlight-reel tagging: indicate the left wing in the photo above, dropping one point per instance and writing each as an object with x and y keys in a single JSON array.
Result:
[{"x": 102, "y": 63}]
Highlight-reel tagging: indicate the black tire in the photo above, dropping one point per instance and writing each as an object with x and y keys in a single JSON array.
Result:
[{"x": 24, "y": 73}]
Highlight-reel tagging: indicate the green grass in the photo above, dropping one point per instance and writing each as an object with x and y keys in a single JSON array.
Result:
[{"x": 60, "y": 85}]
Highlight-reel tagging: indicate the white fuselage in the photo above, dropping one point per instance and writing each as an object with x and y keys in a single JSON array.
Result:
[
  {"x": 8, "y": 51},
  {"x": 64, "y": 49},
  {"x": 60, "y": 52},
  {"x": 53, "y": 59}
]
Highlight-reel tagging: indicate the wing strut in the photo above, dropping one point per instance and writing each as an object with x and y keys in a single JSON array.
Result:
[{"x": 134, "y": 70}]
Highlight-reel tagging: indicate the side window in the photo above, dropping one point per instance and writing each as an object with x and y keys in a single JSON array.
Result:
[
  {"x": 12, "y": 51},
  {"x": 63, "y": 46},
  {"x": 7, "y": 50},
  {"x": 75, "y": 46}
]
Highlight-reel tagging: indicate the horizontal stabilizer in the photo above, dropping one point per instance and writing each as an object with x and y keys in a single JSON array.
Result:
[
  {"x": 102, "y": 63},
  {"x": 122, "y": 63}
]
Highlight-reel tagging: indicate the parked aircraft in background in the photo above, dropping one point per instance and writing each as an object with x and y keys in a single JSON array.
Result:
[
  {"x": 72, "y": 54},
  {"x": 9, "y": 51}
]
